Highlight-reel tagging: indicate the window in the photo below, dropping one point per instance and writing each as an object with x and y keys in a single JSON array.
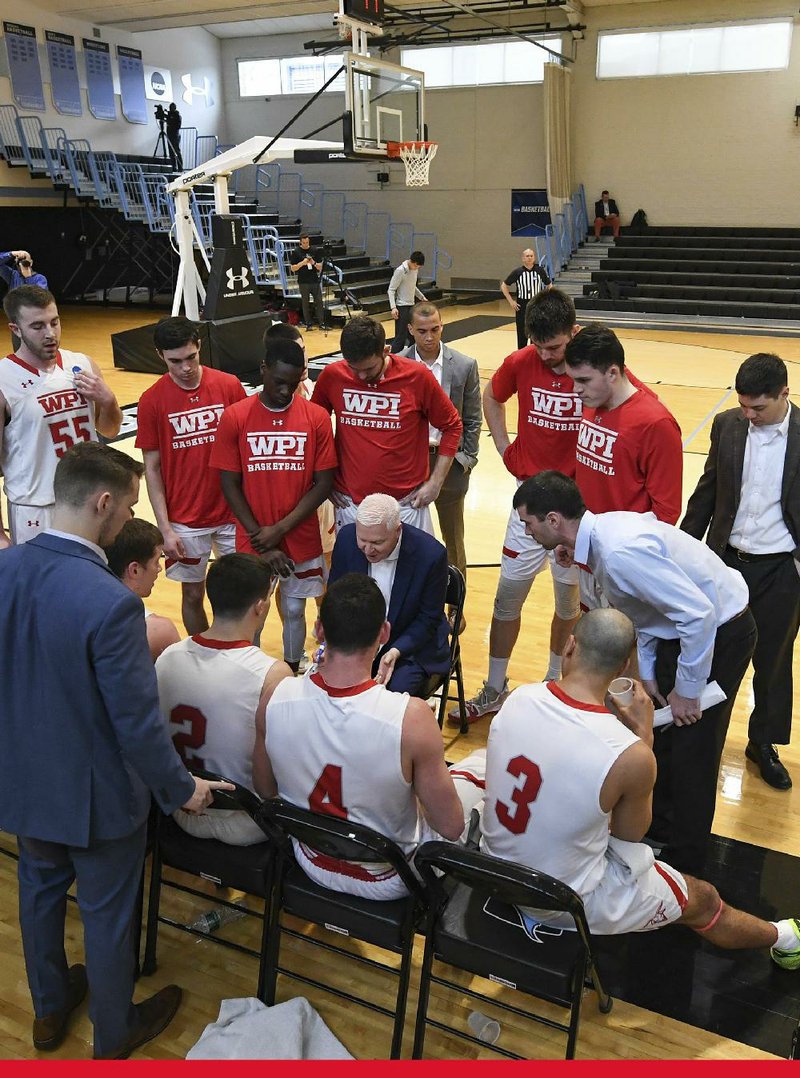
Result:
[
  {"x": 488, "y": 64},
  {"x": 762, "y": 46},
  {"x": 291, "y": 75}
]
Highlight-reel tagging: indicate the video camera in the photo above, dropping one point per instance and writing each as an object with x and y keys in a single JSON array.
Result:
[{"x": 161, "y": 115}]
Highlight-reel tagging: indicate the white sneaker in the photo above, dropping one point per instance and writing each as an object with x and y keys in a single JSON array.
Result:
[
  {"x": 487, "y": 702},
  {"x": 304, "y": 663}
]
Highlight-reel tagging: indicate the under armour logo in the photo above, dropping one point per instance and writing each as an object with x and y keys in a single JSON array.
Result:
[
  {"x": 191, "y": 91},
  {"x": 33, "y": 523},
  {"x": 194, "y": 399},
  {"x": 28, "y": 384},
  {"x": 243, "y": 277}
]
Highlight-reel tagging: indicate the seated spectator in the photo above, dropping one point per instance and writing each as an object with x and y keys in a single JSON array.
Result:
[
  {"x": 569, "y": 788},
  {"x": 135, "y": 557},
  {"x": 410, "y": 568},
  {"x": 605, "y": 213},
  {"x": 338, "y": 742},
  {"x": 214, "y": 688}
]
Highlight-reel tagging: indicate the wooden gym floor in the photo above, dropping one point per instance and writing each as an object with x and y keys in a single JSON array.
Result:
[{"x": 693, "y": 374}]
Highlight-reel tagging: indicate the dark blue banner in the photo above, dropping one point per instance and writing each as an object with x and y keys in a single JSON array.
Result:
[
  {"x": 530, "y": 212},
  {"x": 63, "y": 61},
  {"x": 131, "y": 84},
  {"x": 99, "y": 80},
  {"x": 23, "y": 64}
]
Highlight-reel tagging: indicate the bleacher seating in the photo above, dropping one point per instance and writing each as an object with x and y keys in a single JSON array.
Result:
[{"x": 717, "y": 272}]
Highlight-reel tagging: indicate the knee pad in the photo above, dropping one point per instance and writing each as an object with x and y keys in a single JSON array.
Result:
[
  {"x": 294, "y": 627},
  {"x": 567, "y": 597},
  {"x": 510, "y": 598}
]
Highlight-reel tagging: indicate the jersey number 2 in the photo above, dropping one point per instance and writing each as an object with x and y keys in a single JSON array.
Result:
[
  {"x": 188, "y": 728},
  {"x": 326, "y": 797},
  {"x": 523, "y": 796}
]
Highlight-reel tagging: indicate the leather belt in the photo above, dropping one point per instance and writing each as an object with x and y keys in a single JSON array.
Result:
[{"x": 743, "y": 555}]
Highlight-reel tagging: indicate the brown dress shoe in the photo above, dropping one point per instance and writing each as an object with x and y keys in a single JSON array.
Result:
[
  {"x": 49, "y": 1032},
  {"x": 153, "y": 1015}
]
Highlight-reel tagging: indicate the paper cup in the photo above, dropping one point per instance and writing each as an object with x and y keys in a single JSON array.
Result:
[
  {"x": 485, "y": 1029},
  {"x": 621, "y": 691}
]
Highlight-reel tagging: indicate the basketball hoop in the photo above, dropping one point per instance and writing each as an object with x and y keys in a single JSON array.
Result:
[{"x": 417, "y": 157}]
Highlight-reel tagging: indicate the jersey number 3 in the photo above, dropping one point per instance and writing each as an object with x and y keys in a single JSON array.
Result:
[
  {"x": 326, "y": 797},
  {"x": 517, "y": 820}
]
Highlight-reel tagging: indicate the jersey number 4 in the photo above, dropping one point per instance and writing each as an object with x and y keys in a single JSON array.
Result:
[
  {"x": 517, "y": 820},
  {"x": 326, "y": 797},
  {"x": 188, "y": 728},
  {"x": 66, "y": 432}
]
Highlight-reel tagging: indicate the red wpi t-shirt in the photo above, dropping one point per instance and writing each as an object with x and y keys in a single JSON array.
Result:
[
  {"x": 382, "y": 427},
  {"x": 277, "y": 453},
  {"x": 549, "y": 414},
  {"x": 631, "y": 457},
  {"x": 182, "y": 424}
]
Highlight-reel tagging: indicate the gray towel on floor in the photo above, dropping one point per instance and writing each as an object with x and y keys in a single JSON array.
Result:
[{"x": 247, "y": 1029}]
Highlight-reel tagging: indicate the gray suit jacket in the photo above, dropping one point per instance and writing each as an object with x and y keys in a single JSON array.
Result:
[
  {"x": 461, "y": 382},
  {"x": 715, "y": 501}
]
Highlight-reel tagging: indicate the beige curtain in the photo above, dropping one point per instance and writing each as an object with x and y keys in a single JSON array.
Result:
[{"x": 557, "y": 83}]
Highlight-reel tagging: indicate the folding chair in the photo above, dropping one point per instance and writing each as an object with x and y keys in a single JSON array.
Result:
[
  {"x": 440, "y": 683},
  {"x": 386, "y": 924},
  {"x": 474, "y": 925},
  {"x": 243, "y": 868}
]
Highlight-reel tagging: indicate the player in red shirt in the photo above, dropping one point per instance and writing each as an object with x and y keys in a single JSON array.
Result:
[
  {"x": 547, "y": 432},
  {"x": 384, "y": 408},
  {"x": 277, "y": 458},
  {"x": 177, "y": 422},
  {"x": 629, "y": 455}
]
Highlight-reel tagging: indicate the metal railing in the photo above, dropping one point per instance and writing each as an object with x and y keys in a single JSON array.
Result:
[
  {"x": 53, "y": 139},
  {"x": 30, "y": 137},
  {"x": 10, "y": 145},
  {"x": 354, "y": 226}
]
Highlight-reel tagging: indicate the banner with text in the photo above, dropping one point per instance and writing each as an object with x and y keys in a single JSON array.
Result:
[
  {"x": 530, "y": 212},
  {"x": 63, "y": 62},
  {"x": 23, "y": 65},
  {"x": 131, "y": 84},
  {"x": 99, "y": 80}
]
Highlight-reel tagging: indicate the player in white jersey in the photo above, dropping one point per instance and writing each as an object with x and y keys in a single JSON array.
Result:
[
  {"x": 214, "y": 687},
  {"x": 569, "y": 789},
  {"x": 135, "y": 557},
  {"x": 341, "y": 744},
  {"x": 49, "y": 400}
]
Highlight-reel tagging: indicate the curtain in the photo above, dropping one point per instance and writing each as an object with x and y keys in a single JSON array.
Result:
[{"x": 557, "y": 85}]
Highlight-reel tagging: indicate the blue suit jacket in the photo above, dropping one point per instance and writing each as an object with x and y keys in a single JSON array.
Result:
[
  {"x": 82, "y": 741},
  {"x": 416, "y": 607}
]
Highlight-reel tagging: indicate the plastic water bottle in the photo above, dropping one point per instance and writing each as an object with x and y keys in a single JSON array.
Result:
[
  {"x": 216, "y": 918},
  {"x": 485, "y": 1029}
]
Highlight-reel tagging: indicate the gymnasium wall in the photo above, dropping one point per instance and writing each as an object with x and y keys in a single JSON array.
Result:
[
  {"x": 697, "y": 149},
  {"x": 190, "y": 50},
  {"x": 491, "y": 142},
  {"x": 703, "y": 149}
]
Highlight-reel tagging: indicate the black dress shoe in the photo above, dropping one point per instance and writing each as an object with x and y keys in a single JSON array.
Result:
[
  {"x": 49, "y": 1032},
  {"x": 153, "y": 1016},
  {"x": 772, "y": 770}
]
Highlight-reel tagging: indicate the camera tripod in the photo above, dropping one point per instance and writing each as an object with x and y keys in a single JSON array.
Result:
[{"x": 161, "y": 142}]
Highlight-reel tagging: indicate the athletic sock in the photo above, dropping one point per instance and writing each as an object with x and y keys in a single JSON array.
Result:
[
  {"x": 498, "y": 671},
  {"x": 787, "y": 936},
  {"x": 554, "y": 669}
]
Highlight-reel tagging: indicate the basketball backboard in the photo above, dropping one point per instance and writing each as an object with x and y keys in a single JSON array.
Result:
[{"x": 384, "y": 103}]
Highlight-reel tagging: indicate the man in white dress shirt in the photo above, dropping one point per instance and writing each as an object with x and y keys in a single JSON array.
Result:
[
  {"x": 693, "y": 626},
  {"x": 748, "y": 499}
]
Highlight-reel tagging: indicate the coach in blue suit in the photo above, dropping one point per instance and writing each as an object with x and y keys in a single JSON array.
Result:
[
  {"x": 410, "y": 568},
  {"x": 82, "y": 744}
]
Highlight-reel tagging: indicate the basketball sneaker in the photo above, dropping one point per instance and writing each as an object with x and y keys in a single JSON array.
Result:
[
  {"x": 486, "y": 702},
  {"x": 788, "y": 959}
]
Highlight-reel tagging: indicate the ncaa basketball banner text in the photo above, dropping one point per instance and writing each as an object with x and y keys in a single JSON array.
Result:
[
  {"x": 63, "y": 61},
  {"x": 530, "y": 212},
  {"x": 23, "y": 65}
]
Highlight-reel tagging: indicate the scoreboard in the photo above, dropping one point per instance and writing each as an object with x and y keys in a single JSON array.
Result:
[{"x": 364, "y": 10}]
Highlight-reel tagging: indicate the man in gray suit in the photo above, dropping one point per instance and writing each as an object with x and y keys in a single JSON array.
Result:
[
  {"x": 82, "y": 745},
  {"x": 748, "y": 499},
  {"x": 457, "y": 374}
]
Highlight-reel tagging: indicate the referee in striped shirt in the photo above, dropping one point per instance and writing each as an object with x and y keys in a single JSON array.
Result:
[{"x": 530, "y": 279}]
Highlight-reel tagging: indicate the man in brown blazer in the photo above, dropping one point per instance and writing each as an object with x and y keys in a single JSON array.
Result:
[{"x": 748, "y": 499}]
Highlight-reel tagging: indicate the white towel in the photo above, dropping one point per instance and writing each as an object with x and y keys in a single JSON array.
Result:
[{"x": 248, "y": 1029}]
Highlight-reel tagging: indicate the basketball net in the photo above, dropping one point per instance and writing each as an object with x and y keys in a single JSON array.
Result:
[{"x": 417, "y": 157}]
